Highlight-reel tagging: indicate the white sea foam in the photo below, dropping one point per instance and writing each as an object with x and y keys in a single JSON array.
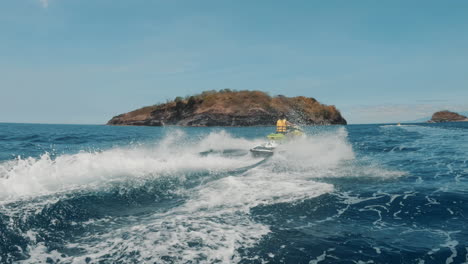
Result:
[
  {"x": 322, "y": 150},
  {"x": 214, "y": 222},
  {"x": 209, "y": 228},
  {"x": 26, "y": 177},
  {"x": 322, "y": 155},
  {"x": 327, "y": 155},
  {"x": 211, "y": 225}
]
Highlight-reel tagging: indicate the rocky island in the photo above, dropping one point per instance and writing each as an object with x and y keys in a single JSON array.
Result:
[
  {"x": 232, "y": 108},
  {"x": 447, "y": 116}
]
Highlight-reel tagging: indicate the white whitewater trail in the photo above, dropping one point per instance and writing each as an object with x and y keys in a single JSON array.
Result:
[
  {"x": 212, "y": 224},
  {"x": 28, "y": 177}
]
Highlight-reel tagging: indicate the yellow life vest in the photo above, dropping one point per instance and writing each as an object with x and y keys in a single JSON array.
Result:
[{"x": 281, "y": 126}]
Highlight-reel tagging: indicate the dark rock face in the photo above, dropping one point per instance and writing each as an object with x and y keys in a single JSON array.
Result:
[
  {"x": 447, "y": 116},
  {"x": 233, "y": 111}
]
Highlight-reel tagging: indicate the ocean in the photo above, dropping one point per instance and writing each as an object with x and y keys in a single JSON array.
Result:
[{"x": 342, "y": 194}]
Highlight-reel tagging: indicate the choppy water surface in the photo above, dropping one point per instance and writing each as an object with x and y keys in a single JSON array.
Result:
[{"x": 353, "y": 194}]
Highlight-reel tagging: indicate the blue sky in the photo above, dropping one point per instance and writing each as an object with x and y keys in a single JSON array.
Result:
[{"x": 84, "y": 61}]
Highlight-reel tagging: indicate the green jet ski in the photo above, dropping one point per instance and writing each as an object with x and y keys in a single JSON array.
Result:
[{"x": 274, "y": 139}]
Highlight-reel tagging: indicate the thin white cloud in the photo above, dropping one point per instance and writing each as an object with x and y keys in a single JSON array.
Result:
[{"x": 44, "y": 3}]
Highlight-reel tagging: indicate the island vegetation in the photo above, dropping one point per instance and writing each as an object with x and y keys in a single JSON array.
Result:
[{"x": 232, "y": 108}]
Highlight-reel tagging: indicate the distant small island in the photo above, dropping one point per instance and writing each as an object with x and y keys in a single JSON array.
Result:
[
  {"x": 447, "y": 116},
  {"x": 232, "y": 108}
]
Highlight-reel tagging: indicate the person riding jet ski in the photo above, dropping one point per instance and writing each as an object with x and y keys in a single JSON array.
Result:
[
  {"x": 282, "y": 125},
  {"x": 285, "y": 130}
]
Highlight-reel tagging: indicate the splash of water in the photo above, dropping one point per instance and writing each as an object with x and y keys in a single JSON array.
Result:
[{"x": 174, "y": 155}]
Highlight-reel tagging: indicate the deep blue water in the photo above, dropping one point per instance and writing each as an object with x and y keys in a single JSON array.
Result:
[{"x": 343, "y": 194}]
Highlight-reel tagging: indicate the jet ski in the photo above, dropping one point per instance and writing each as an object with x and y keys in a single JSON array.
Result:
[
  {"x": 275, "y": 139},
  {"x": 265, "y": 149}
]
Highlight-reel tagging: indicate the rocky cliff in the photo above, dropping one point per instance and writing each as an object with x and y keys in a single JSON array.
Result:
[
  {"x": 232, "y": 108},
  {"x": 447, "y": 116}
]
